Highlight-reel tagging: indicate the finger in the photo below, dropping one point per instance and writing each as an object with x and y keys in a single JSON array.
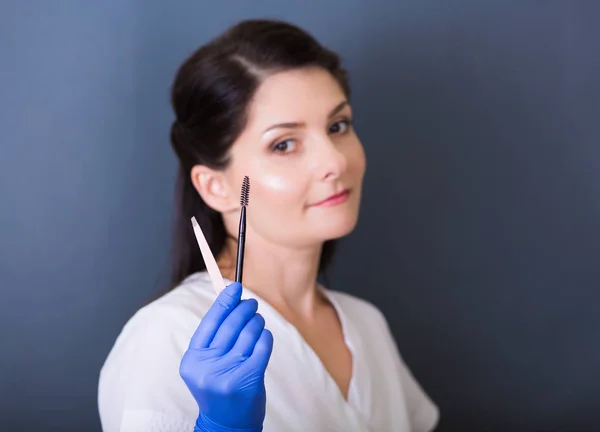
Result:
[
  {"x": 226, "y": 302},
  {"x": 230, "y": 329},
  {"x": 248, "y": 337},
  {"x": 259, "y": 359}
]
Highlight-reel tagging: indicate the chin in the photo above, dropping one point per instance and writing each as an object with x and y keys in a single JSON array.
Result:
[{"x": 335, "y": 228}]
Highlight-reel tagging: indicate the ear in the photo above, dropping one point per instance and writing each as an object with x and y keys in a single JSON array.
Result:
[{"x": 212, "y": 186}]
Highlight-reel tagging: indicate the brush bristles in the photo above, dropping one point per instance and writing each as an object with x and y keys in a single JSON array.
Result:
[{"x": 245, "y": 192}]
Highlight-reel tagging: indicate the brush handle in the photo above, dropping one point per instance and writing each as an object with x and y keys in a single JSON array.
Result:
[{"x": 241, "y": 244}]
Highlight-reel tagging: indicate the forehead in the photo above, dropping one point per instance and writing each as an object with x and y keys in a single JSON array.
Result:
[{"x": 295, "y": 95}]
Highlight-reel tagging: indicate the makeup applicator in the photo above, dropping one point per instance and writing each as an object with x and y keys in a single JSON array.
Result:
[{"x": 242, "y": 230}]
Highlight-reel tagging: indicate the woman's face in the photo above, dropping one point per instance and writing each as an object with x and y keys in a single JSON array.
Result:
[{"x": 303, "y": 158}]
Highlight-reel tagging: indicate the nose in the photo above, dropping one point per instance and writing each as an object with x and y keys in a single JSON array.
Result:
[{"x": 331, "y": 161}]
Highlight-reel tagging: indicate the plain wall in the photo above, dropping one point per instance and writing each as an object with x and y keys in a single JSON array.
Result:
[{"x": 478, "y": 238}]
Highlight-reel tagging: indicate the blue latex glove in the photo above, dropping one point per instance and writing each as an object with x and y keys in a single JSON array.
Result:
[{"x": 225, "y": 364}]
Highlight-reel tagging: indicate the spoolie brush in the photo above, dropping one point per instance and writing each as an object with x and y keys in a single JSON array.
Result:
[{"x": 242, "y": 230}]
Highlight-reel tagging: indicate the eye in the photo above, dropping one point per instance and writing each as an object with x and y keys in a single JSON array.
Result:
[
  {"x": 340, "y": 127},
  {"x": 285, "y": 146}
]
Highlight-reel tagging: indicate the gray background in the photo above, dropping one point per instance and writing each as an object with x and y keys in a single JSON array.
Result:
[{"x": 481, "y": 209}]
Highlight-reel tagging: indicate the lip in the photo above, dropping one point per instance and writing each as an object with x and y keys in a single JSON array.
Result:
[{"x": 335, "y": 199}]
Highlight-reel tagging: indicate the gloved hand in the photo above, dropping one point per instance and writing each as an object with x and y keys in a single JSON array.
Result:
[{"x": 225, "y": 364}]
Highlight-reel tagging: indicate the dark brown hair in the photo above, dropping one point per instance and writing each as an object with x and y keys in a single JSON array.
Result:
[{"x": 210, "y": 96}]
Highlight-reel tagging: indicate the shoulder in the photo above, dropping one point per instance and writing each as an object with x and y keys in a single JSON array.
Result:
[
  {"x": 176, "y": 312},
  {"x": 193, "y": 296},
  {"x": 357, "y": 308},
  {"x": 380, "y": 349},
  {"x": 366, "y": 322},
  {"x": 141, "y": 371},
  {"x": 173, "y": 316}
]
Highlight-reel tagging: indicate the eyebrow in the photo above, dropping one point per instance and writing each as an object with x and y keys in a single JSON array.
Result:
[{"x": 292, "y": 125}]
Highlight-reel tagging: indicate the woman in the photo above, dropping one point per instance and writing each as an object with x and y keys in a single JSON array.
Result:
[{"x": 283, "y": 353}]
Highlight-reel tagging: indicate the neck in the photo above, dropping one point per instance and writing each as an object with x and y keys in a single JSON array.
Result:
[{"x": 286, "y": 278}]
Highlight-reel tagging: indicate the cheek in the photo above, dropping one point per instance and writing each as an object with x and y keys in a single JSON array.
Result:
[
  {"x": 275, "y": 183},
  {"x": 277, "y": 187}
]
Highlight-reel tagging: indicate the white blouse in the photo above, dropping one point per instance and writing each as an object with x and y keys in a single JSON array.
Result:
[{"x": 140, "y": 388}]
